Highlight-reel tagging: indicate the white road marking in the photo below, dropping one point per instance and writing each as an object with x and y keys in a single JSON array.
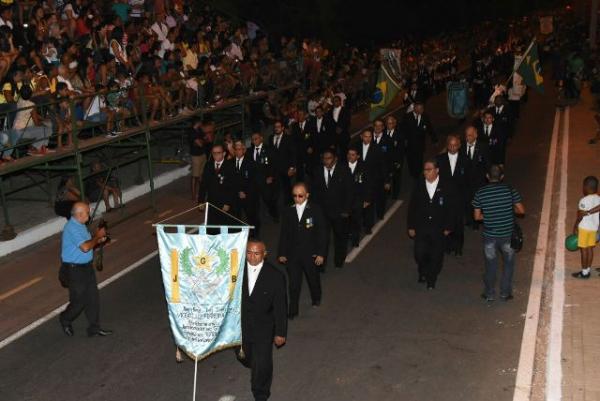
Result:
[
  {"x": 55, "y": 312},
  {"x": 532, "y": 316},
  {"x": 365, "y": 241},
  {"x": 554, "y": 360}
]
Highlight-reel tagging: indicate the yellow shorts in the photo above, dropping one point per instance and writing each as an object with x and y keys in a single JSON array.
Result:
[{"x": 586, "y": 238}]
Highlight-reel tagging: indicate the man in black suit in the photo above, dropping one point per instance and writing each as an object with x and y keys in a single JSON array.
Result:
[
  {"x": 362, "y": 195},
  {"x": 245, "y": 184},
  {"x": 453, "y": 170},
  {"x": 478, "y": 164},
  {"x": 284, "y": 160},
  {"x": 494, "y": 135},
  {"x": 412, "y": 96},
  {"x": 332, "y": 190},
  {"x": 306, "y": 153},
  {"x": 302, "y": 246},
  {"x": 374, "y": 161},
  {"x": 386, "y": 145},
  {"x": 262, "y": 155},
  {"x": 397, "y": 155},
  {"x": 503, "y": 115},
  {"x": 430, "y": 220},
  {"x": 322, "y": 131},
  {"x": 417, "y": 126},
  {"x": 216, "y": 186},
  {"x": 340, "y": 118},
  {"x": 264, "y": 317}
]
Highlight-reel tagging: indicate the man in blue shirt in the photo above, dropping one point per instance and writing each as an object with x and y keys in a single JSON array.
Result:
[
  {"x": 496, "y": 204},
  {"x": 77, "y": 252}
]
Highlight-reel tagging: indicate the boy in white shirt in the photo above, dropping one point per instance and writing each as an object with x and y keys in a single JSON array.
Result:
[{"x": 586, "y": 225}]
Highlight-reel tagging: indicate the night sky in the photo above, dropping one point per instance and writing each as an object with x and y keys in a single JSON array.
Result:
[{"x": 339, "y": 21}]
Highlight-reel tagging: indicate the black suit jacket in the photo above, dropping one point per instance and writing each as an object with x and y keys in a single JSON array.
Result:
[
  {"x": 342, "y": 126},
  {"x": 336, "y": 198},
  {"x": 477, "y": 167},
  {"x": 459, "y": 178},
  {"x": 284, "y": 156},
  {"x": 398, "y": 143},
  {"x": 504, "y": 117},
  {"x": 304, "y": 140},
  {"x": 264, "y": 163},
  {"x": 323, "y": 138},
  {"x": 415, "y": 133},
  {"x": 375, "y": 163},
  {"x": 217, "y": 187},
  {"x": 264, "y": 313},
  {"x": 496, "y": 142},
  {"x": 432, "y": 216},
  {"x": 305, "y": 237},
  {"x": 245, "y": 179},
  {"x": 362, "y": 190}
]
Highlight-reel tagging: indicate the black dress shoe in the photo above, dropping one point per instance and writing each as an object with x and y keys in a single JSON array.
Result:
[
  {"x": 355, "y": 244},
  {"x": 422, "y": 279},
  {"x": 316, "y": 304},
  {"x": 368, "y": 231},
  {"x": 487, "y": 298},
  {"x": 291, "y": 316},
  {"x": 100, "y": 332},
  {"x": 68, "y": 330},
  {"x": 506, "y": 297},
  {"x": 430, "y": 287}
]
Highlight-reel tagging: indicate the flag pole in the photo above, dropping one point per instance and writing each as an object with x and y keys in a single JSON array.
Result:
[
  {"x": 520, "y": 62},
  {"x": 195, "y": 376}
]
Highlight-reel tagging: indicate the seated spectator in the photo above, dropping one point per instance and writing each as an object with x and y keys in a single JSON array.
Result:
[
  {"x": 100, "y": 187},
  {"x": 67, "y": 195},
  {"x": 29, "y": 124},
  {"x": 99, "y": 112}
]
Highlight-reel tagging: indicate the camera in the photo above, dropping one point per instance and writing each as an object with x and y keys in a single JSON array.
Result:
[{"x": 103, "y": 224}]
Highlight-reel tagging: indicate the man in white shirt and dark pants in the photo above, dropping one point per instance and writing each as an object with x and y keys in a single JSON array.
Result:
[{"x": 264, "y": 317}]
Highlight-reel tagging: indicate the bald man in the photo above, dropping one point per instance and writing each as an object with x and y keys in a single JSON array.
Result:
[
  {"x": 77, "y": 254},
  {"x": 264, "y": 317}
]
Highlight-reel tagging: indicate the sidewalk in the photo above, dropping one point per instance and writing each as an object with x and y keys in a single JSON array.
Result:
[{"x": 581, "y": 329}]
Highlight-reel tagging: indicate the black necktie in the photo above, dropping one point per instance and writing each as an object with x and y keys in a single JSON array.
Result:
[
  {"x": 471, "y": 152},
  {"x": 328, "y": 177},
  {"x": 256, "y": 153},
  {"x": 237, "y": 165},
  {"x": 217, "y": 167}
]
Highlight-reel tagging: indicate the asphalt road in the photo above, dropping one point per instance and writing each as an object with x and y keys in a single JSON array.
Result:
[{"x": 379, "y": 335}]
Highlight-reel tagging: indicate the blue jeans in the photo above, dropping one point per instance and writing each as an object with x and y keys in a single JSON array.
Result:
[{"x": 491, "y": 246}]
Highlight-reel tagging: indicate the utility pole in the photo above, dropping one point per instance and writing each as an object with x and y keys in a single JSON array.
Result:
[{"x": 593, "y": 23}]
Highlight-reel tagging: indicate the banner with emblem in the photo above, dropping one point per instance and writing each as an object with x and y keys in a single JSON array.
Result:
[
  {"x": 202, "y": 276},
  {"x": 530, "y": 68}
]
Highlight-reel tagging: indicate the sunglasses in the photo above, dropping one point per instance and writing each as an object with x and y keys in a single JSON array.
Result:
[{"x": 298, "y": 195}]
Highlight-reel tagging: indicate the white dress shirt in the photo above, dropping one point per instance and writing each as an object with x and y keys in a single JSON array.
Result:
[
  {"x": 301, "y": 125},
  {"x": 253, "y": 272},
  {"x": 326, "y": 174},
  {"x": 365, "y": 150},
  {"x": 471, "y": 149},
  {"x": 257, "y": 152},
  {"x": 300, "y": 209},
  {"x": 377, "y": 138},
  {"x": 238, "y": 162},
  {"x": 452, "y": 158},
  {"x": 319, "y": 123},
  {"x": 352, "y": 166},
  {"x": 391, "y": 133},
  {"x": 418, "y": 118},
  {"x": 431, "y": 187},
  {"x": 336, "y": 113},
  {"x": 277, "y": 140},
  {"x": 487, "y": 129}
]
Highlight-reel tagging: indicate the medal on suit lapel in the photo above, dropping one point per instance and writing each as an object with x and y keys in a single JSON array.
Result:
[
  {"x": 441, "y": 201},
  {"x": 309, "y": 222},
  {"x": 246, "y": 174},
  {"x": 221, "y": 178}
]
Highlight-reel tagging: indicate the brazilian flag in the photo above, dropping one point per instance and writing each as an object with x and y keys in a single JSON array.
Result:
[
  {"x": 531, "y": 70},
  {"x": 385, "y": 92}
]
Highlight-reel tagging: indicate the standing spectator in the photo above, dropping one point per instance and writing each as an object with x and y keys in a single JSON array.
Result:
[
  {"x": 198, "y": 153},
  {"x": 586, "y": 225},
  {"x": 496, "y": 204}
]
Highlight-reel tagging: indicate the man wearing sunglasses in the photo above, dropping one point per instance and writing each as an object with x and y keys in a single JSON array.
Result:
[{"x": 302, "y": 246}]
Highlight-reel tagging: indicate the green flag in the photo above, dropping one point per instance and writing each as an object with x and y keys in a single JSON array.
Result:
[
  {"x": 385, "y": 92},
  {"x": 531, "y": 70}
]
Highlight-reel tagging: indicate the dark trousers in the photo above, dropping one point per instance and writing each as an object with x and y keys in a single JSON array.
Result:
[
  {"x": 339, "y": 226},
  {"x": 268, "y": 193},
  {"x": 368, "y": 214},
  {"x": 355, "y": 224},
  {"x": 397, "y": 179},
  {"x": 285, "y": 186},
  {"x": 456, "y": 239},
  {"x": 380, "y": 198},
  {"x": 429, "y": 254},
  {"x": 249, "y": 208},
  {"x": 83, "y": 297},
  {"x": 414, "y": 160},
  {"x": 295, "y": 266},
  {"x": 259, "y": 358}
]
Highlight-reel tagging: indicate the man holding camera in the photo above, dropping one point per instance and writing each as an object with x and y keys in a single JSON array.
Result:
[{"x": 77, "y": 254}]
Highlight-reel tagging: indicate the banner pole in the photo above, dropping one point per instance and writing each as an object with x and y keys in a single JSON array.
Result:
[
  {"x": 195, "y": 376},
  {"x": 206, "y": 213}
]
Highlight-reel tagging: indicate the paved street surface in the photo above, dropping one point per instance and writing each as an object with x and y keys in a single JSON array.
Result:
[{"x": 377, "y": 336}]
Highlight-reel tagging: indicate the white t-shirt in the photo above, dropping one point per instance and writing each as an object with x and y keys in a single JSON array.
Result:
[{"x": 592, "y": 221}]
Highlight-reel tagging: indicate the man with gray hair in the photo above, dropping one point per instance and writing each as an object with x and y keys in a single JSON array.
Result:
[
  {"x": 496, "y": 204},
  {"x": 77, "y": 253}
]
